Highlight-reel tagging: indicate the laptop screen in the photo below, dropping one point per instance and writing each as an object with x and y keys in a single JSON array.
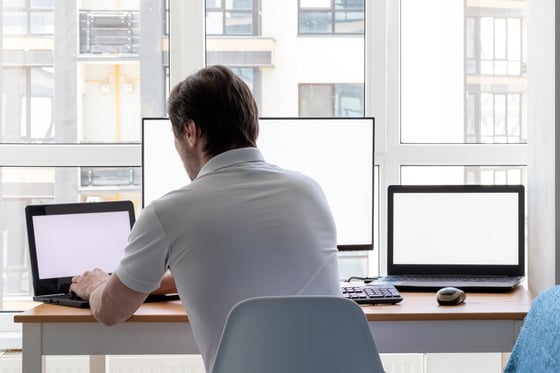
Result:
[
  {"x": 456, "y": 229},
  {"x": 67, "y": 239},
  {"x": 69, "y": 244}
]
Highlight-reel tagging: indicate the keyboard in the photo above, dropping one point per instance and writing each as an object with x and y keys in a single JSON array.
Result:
[{"x": 372, "y": 293}]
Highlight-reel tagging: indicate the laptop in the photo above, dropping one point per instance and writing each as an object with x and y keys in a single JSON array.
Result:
[
  {"x": 466, "y": 236},
  {"x": 70, "y": 238}
]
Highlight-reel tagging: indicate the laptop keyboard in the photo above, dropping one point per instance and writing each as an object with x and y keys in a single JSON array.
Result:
[{"x": 372, "y": 294}]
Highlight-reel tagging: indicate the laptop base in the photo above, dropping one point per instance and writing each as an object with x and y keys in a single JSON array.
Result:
[{"x": 488, "y": 286}]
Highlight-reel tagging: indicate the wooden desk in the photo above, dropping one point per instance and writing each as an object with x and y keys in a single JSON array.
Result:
[{"x": 485, "y": 323}]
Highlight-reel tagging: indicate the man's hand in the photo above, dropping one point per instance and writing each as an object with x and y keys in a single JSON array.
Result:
[{"x": 85, "y": 284}]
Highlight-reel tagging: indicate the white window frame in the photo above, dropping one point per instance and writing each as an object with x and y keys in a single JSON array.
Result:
[{"x": 187, "y": 54}]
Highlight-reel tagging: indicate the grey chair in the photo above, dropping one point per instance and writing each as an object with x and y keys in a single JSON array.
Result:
[
  {"x": 537, "y": 349},
  {"x": 296, "y": 334}
]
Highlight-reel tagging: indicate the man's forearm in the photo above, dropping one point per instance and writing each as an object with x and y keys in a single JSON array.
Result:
[{"x": 112, "y": 302}]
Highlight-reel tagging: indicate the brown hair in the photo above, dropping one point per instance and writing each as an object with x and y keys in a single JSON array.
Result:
[{"x": 220, "y": 104}]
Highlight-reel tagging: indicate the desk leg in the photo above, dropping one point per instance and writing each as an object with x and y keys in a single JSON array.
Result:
[
  {"x": 97, "y": 364},
  {"x": 32, "y": 352}
]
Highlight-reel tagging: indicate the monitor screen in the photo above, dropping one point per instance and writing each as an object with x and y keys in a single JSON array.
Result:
[{"x": 336, "y": 152}]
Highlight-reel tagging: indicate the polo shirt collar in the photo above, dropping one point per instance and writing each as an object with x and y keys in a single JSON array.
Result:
[{"x": 230, "y": 158}]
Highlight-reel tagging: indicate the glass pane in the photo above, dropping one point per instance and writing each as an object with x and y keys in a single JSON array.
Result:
[
  {"x": 469, "y": 45},
  {"x": 41, "y": 4},
  {"x": 453, "y": 175},
  {"x": 500, "y": 114},
  {"x": 487, "y": 117},
  {"x": 349, "y": 4},
  {"x": 313, "y": 76},
  {"x": 21, "y": 186},
  {"x": 213, "y": 4},
  {"x": 239, "y": 4},
  {"x": 514, "y": 115},
  {"x": 42, "y": 105},
  {"x": 315, "y": 3},
  {"x": 13, "y": 3},
  {"x": 470, "y": 38},
  {"x": 349, "y": 100},
  {"x": 14, "y": 23},
  {"x": 100, "y": 96},
  {"x": 349, "y": 22},
  {"x": 14, "y": 104},
  {"x": 42, "y": 23},
  {"x": 214, "y": 23},
  {"x": 239, "y": 23},
  {"x": 500, "y": 38},
  {"x": 315, "y": 22},
  {"x": 432, "y": 89},
  {"x": 312, "y": 99},
  {"x": 487, "y": 38},
  {"x": 514, "y": 39}
]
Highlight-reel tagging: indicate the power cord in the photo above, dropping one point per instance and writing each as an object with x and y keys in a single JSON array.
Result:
[{"x": 366, "y": 280}]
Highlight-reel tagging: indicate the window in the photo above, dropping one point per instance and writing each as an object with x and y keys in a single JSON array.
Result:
[
  {"x": 333, "y": 100},
  {"x": 469, "y": 84},
  {"x": 70, "y": 123},
  {"x": 232, "y": 17},
  {"x": 494, "y": 44},
  {"x": 21, "y": 17},
  {"x": 28, "y": 102},
  {"x": 494, "y": 118},
  {"x": 331, "y": 17}
]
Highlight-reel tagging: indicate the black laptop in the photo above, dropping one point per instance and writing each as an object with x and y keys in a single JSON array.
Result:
[
  {"x": 70, "y": 238},
  {"x": 467, "y": 236}
]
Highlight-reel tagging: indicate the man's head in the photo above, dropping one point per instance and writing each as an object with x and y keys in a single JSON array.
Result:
[{"x": 220, "y": 105}]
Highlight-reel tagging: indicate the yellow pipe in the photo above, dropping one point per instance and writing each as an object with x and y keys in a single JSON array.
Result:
[{"x": 117, "y": 105}]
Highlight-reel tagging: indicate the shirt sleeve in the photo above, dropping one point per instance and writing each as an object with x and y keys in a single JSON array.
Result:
[{"x": 145, "y": 260}]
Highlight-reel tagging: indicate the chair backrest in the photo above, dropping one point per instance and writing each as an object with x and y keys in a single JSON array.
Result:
[
  {"x": 537, "y": 349},
  {"x": 297, "y": 334}
]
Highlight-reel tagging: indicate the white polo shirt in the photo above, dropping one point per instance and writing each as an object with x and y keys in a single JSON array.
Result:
[{"x": 242, "y": 228}]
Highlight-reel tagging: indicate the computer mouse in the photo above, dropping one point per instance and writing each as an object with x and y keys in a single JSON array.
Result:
[{"x": 450, "y": 296}]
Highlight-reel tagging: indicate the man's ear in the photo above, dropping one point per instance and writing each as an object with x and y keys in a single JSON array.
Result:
[{"x": 192, "y": 133}]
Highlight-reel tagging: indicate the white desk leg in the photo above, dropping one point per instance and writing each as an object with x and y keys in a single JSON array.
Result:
[
  {"x": 97, "y": 364},
  {"x": 32, "y": 352}
]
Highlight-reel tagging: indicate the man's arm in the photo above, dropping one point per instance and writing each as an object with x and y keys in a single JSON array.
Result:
[
  {"x": 167, "y": 285},
  {"x": 111, "y": 301}
]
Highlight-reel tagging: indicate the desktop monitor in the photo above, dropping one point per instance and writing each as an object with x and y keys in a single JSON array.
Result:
[{"x": 336, "y": 152}]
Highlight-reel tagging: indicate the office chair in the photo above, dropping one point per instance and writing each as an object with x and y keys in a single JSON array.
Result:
[
  {"x": 297, "y": 334},
  {"x": 537, "y": 349}
]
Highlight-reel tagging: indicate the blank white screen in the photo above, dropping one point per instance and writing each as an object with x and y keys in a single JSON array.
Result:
[
  {"x": 455, "y": 228},
  {"x": 69, "y": 244},
  {"x": 336, "y": 152}
]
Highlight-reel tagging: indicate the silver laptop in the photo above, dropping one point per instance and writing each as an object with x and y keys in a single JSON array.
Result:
[{"x": 467, "y": 236}]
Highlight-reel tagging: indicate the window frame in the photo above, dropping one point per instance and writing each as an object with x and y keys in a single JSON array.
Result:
[{"x": 382, "y": 85}]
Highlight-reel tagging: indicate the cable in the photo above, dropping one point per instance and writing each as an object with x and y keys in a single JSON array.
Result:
[{"x": 366, "y": 280}]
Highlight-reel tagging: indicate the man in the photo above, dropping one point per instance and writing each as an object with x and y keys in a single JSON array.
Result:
[{"x": 242, "y": 228}]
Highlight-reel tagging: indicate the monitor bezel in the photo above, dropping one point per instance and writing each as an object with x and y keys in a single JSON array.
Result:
[{"x": 442, "y": 269}]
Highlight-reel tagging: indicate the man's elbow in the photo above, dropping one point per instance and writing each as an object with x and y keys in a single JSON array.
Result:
[{"x": 108, "y": 317}]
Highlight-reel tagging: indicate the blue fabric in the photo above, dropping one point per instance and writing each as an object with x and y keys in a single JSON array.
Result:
[{"x": 537, "y": 348}]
